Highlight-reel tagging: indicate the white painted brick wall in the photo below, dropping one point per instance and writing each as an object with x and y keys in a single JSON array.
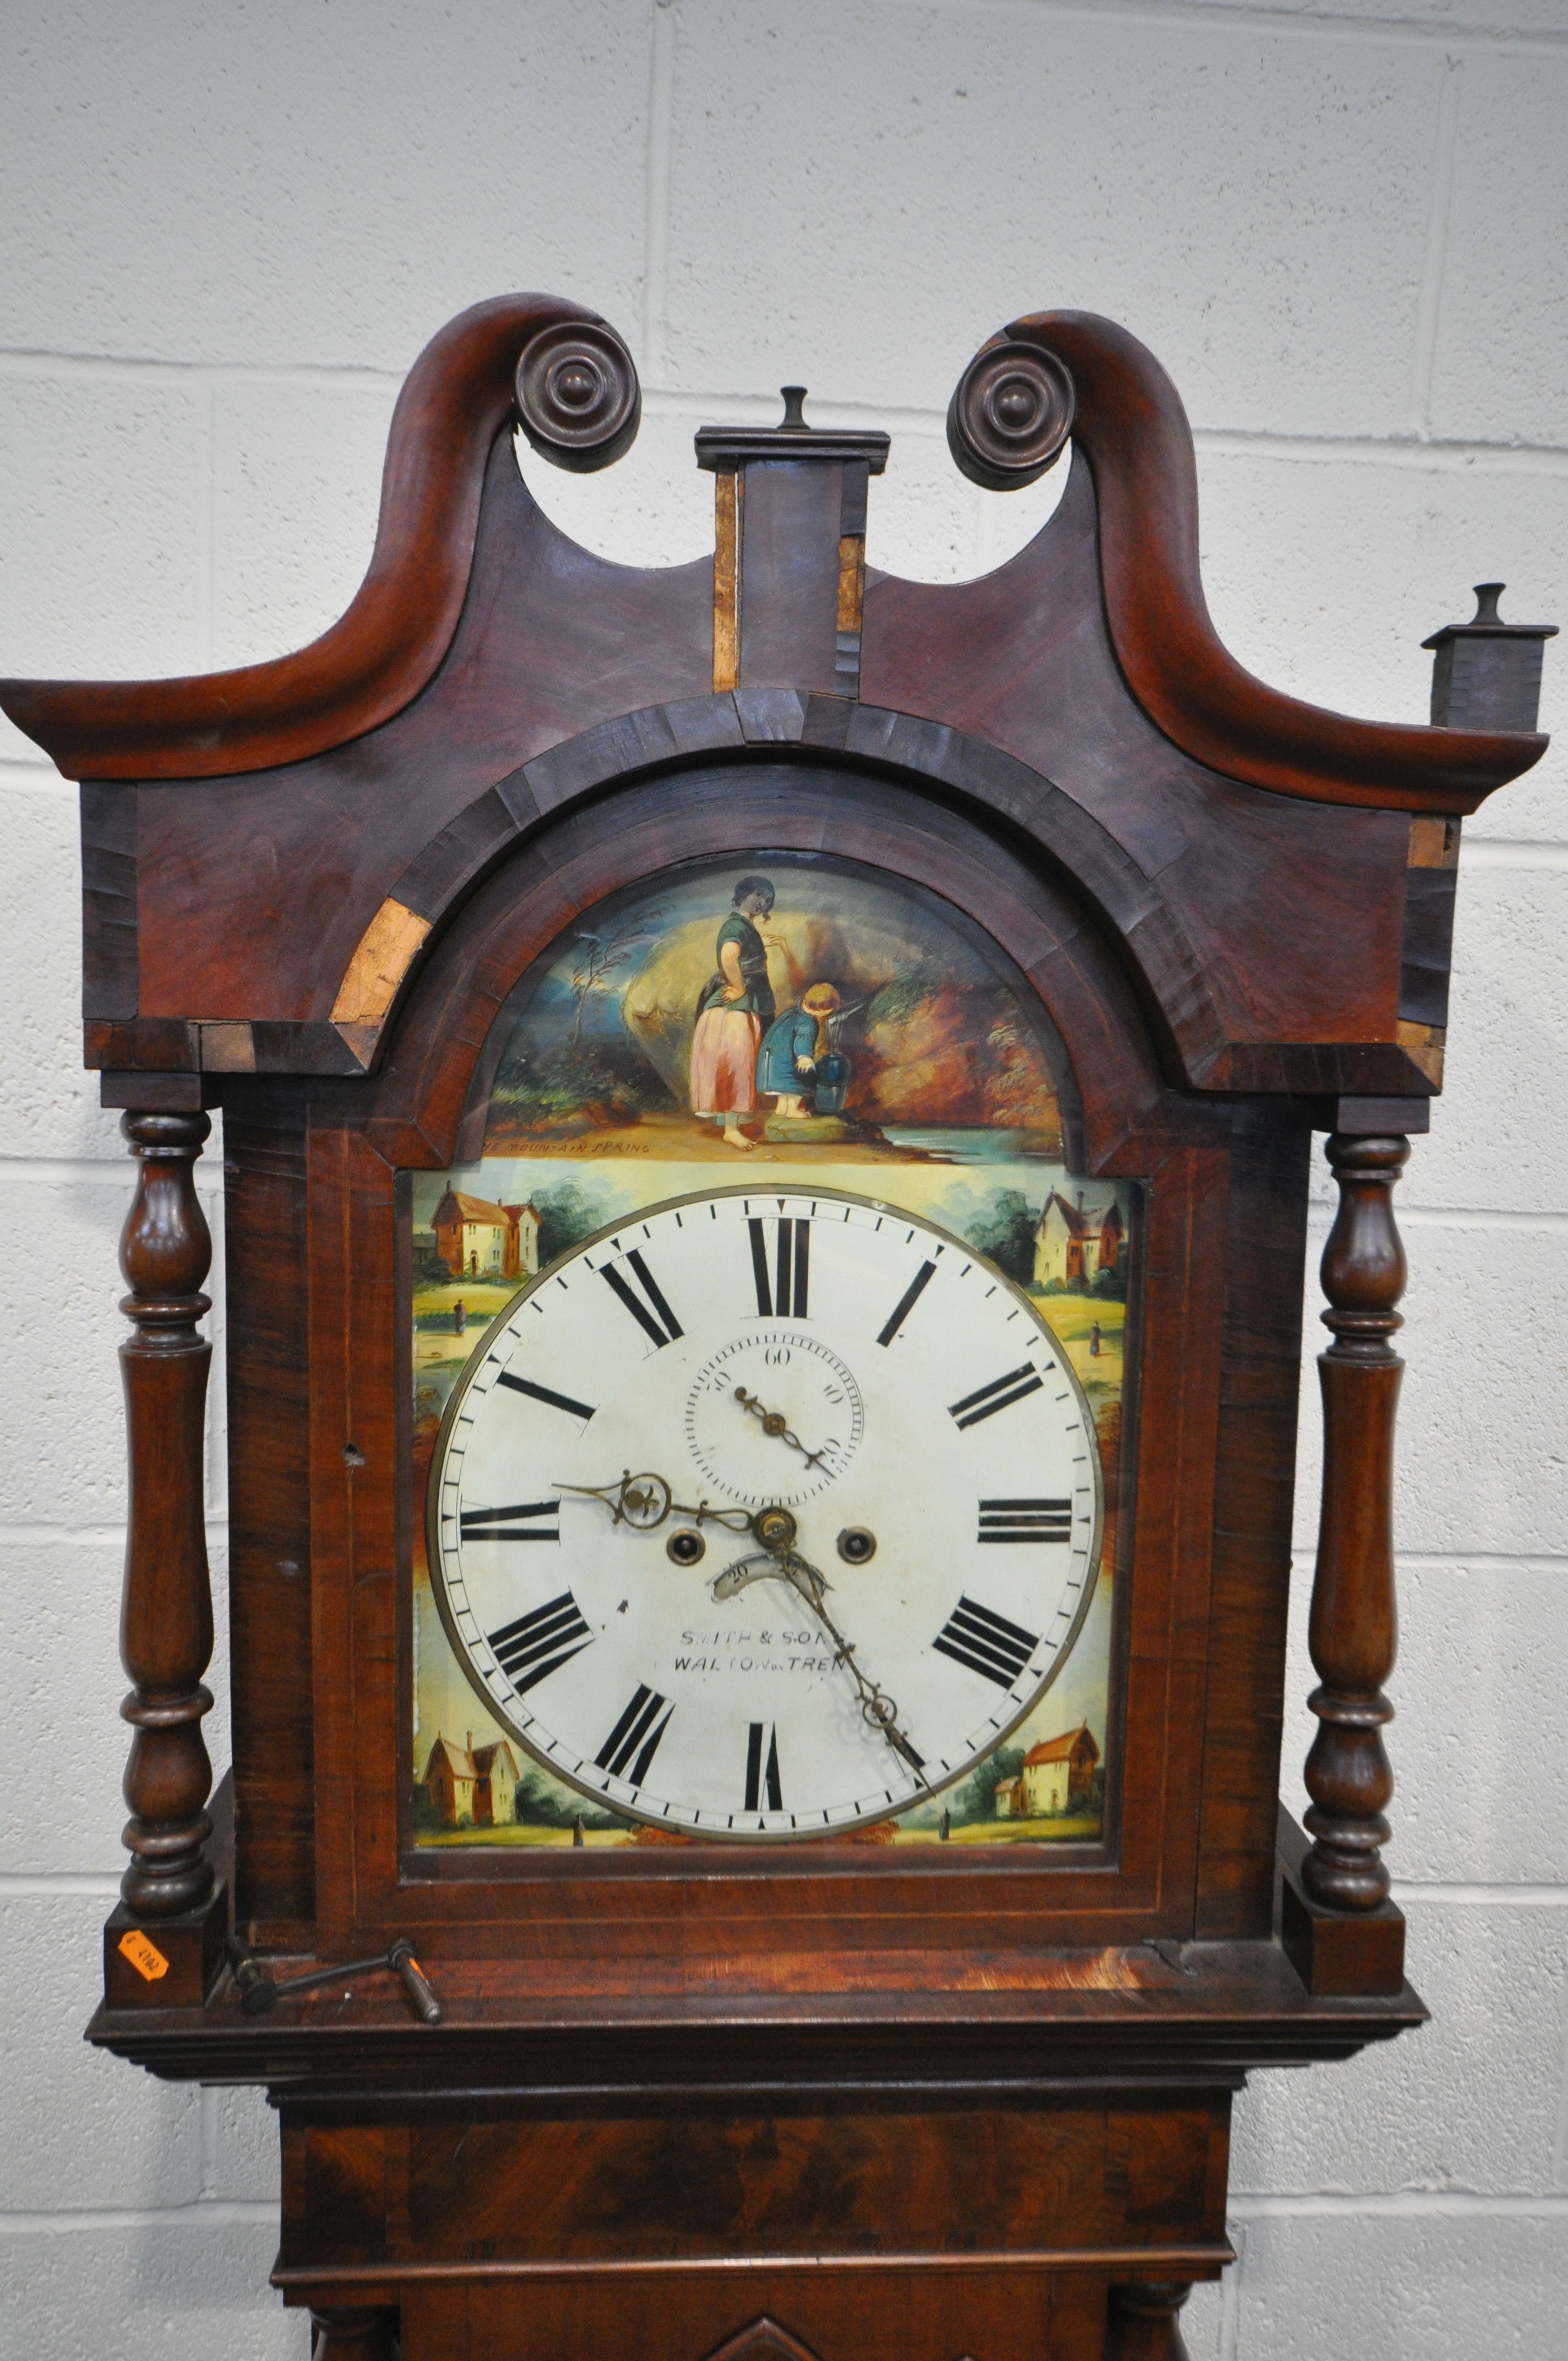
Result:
[{"x": 223, "y": 236}]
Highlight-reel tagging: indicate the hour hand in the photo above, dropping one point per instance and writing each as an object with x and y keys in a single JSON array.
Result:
[
  {"x": 640, "y": 1501},
  {"x": 644, "y": 1501}
]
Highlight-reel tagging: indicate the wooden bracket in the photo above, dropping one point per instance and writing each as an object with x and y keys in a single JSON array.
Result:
[
  {"x": 1336, "y": 1953},
  {"x": 165, "y": 1962}
]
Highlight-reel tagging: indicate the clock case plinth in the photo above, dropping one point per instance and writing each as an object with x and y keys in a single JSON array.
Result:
[{"x": 693, "y": 2106}]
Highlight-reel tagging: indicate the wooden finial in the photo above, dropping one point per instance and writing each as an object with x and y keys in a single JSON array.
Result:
[
  {"x": 577, "y": 395},
  {"x": 1486, "y": 674}
]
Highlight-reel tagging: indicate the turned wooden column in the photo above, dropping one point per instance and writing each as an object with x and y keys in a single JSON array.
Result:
[
  {"x": 166, "y": 1615},
  {"x": 1352, "y": 1631},
  {"x": 1141, "y": 2323}
]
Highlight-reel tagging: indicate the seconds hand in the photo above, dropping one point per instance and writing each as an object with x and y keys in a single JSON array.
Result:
[{"x": 773, "y": 1424}]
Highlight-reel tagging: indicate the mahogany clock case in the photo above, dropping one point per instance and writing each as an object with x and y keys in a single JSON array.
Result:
[
  {"x": 953, "y": 2096},
  {"x": 332, "y": 1853}
]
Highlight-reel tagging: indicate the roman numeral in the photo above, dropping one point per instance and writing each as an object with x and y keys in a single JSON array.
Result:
[
  {"x": 977, "y": 1636},
  {"x": 786, "y": 1295},
  {"x": 986, "y": 1400},
  {"x": 655, "y": 1317},
  {"x": 511, "y": 1525},
  {"x": 635, "y": 1737},
  {"x": 1025, "y": 1521},
  {"x": 907, "y": 1302},
  {"x": 543, "y": 1394},
  {"x": 763, "y": 1767},
  {"x": 538, "y": 1644}
]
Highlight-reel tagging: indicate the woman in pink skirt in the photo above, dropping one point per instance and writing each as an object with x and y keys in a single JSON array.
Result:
[{"x": 734, "y": 1011}]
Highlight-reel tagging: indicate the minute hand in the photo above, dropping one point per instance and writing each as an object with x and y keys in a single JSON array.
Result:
[{"x": 878, "y": 1709}]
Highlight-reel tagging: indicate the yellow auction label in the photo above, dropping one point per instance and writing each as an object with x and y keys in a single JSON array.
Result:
[{"x": 145, "y": 1957}]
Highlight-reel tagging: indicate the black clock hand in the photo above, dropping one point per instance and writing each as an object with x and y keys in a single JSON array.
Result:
[{"x": 644, "y": 1501}]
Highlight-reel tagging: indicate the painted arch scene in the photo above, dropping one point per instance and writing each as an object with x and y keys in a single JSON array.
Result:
[{"x": 791, "y": 1020}]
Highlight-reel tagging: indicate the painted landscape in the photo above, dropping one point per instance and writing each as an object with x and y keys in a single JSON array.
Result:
[{"x": 836, "y": 1021}]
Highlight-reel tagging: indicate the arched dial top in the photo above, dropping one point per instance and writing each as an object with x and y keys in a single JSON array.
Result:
[{"x": 765, "y": 1515}]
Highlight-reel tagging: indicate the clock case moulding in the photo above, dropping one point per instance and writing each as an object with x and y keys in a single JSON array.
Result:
[{"x": 309, "y": 886}]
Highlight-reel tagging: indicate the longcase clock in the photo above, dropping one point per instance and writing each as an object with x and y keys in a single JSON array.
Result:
[{"x": 766, "y": 1123}]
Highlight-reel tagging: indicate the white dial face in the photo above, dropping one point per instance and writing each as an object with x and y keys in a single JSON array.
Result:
[{"x": 765, "y": 1515}]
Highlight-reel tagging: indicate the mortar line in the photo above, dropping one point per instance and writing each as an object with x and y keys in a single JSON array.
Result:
[
  {"x": 1441, "y": 452},
  {"x": 24, "y": 1886},
  {"x": 1434, "y": 258},
  {"x": 200, "y": 2214},
  {"x": 1230, "y": 2298},
  {"x": 662, "y": 40},
  {"x": 22, "y": 1536},
  {"x": 1443, "y": 1893},
  {"x": 1206, "y": 15},
  {"x": 1475, "y": 1217},
  {"x": 47, "y": 360},
  {"x": 1560, "y": 2143},
  {"x": 71, "y": 1170},
  {"x": 1409, "y": 2205},
  {"x": 1492, "y": 853},
  {"x": 1469, "y": 1562},
  {"x": 1511, "y": 456},
  {"x": 207, "y": 538},
  {"x": 1321, "y": 1209}
]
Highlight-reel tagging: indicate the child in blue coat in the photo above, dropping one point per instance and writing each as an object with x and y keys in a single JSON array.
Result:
[{"x": 793, "y": 1048}]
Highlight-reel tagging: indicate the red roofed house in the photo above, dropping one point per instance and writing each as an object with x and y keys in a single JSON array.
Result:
[
  {"x": 476, "y": 1239},
  {"x": 478, "y": 1783},
  {"x": 1073, "y": 1246},
  {"x": 1059, "y": 1776}
]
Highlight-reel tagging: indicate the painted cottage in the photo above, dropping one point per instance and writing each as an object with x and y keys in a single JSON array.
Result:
[
  {"x": 1056, "y": 1776},
  {"x": 469, "y": 1783},
  {"x": 476, "y": 1239},
  {"x": 1073, "y": 1244}
]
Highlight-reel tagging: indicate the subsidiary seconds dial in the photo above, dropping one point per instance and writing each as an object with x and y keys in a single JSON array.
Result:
[{"x": 763, "y": 1516}]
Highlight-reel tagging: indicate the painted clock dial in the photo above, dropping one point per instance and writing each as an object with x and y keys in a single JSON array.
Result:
[{"x": 764, "y": 1514}]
